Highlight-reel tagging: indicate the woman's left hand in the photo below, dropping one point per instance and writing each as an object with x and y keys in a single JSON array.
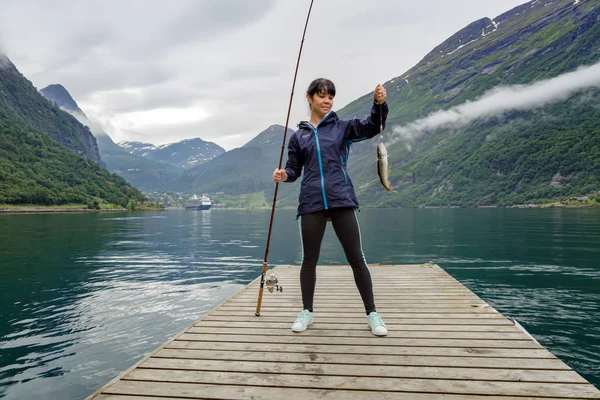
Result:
[{"x": 379, "y": 94}]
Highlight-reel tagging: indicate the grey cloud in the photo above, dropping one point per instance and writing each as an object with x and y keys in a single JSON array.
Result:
[
  {"x": 213, "y": 129},
  {"x": 223, "y": 99},
  {"x": 109, "y": 77},
  {"x": 108, "y": 47},
  {"x": 50, "y": 29},
  {"x": 3, "y": 58},
  {"x": 250, "y": 72},
  {"x": 4, "y": 63},
  {"x": 384, "y": 13},
  {"x": 147, "y": 99},
  {"x": 400, "y": 14},
  {"x": 175, "y": 94},
  {"x": 77, "y": 48},
  {"x": 95, "y": 126},
  {"x": 209, "y": 19},
  {"x": 94, "y": 36}
]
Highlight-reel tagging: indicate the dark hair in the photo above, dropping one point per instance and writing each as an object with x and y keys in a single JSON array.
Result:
[{"x": 321, "y": 85}]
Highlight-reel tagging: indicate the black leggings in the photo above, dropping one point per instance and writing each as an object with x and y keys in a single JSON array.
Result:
[{"x": 345, "y": 225}]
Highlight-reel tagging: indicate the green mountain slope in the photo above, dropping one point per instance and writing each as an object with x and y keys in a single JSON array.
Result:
[
  {"x": 521, "y": 156},
  {"x": 39, "y": 168},
  {"x": 36, "y": 169},
  {"x": 18, "y": 97}
]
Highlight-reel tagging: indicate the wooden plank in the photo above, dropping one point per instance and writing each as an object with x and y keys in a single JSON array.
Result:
[
  {"x": 130, "y": 397},
  {"x": 367, "y": 341},
  {"x": 399, "y": 294},
  {"x": 394, "y": 328},
  {"x": 277, "y": 301},
  {"x": 407, "y": 310},
  {"x": 251, "y": 295},
  {"x": 379, "y": 287},
  {"x": 497, "y": 373},
  {"x": 366, "y": 333},
  {"x": 408, "y": 320},
  {"x": 342, "y": 315},
  {"x": 489, "y": 361},
  {"x": 274, "y": 300},
  {"x": 152, "y": 378},
  {"x": 333, "y": 276},
  {"x": 352, "y": 295},
  {"x": 266, "y": 347},
  {"x": 333, "y": 281},
  {"x": 130, "y": 390},
  {"x": 408, "y": 284},
  {"x": 321, "y": 308}
]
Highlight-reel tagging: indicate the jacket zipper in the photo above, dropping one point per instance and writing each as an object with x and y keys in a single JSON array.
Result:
[
  {"x": 320, "y": 161},
  {"x": 321, "y": 168}
]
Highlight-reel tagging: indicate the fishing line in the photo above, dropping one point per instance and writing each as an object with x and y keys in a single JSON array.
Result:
[
  {"x": 266, "y": 258},
  {"x": 380, "y": 122}
]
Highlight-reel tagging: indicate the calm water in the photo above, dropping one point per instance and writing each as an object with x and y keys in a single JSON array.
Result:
[{"x": 84, "y": 296}]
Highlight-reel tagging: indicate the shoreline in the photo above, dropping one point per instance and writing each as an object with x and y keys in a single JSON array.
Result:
[
  {"x": 83, "y": 210},
  {"x": 36, "y": 210}
]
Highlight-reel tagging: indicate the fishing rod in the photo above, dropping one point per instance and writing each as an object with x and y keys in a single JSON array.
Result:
[{"x": 265, "y": 260}]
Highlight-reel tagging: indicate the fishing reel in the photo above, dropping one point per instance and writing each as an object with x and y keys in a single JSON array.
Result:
[{"x": 273, "y": 284}]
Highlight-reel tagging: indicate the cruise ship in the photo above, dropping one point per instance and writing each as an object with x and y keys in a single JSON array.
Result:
[{"x": 198, "y": 203}]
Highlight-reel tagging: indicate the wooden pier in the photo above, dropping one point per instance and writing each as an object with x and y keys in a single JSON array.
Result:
[{"x": 444, "y": 343}]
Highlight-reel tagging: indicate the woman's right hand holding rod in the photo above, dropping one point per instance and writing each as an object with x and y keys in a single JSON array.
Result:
[{"x": 279, "y": 175}]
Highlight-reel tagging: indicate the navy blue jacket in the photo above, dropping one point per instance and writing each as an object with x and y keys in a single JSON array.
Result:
[{"x": 322, "y": 152}]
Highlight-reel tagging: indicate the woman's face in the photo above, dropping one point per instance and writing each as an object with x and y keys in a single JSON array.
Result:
[{"x": 320, "y": 103}]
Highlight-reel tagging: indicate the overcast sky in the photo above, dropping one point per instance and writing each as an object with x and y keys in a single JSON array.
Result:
[{"x": 222, "y": 70}]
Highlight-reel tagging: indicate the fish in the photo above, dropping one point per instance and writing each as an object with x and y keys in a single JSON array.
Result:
[{"x": 383, "y": 168}]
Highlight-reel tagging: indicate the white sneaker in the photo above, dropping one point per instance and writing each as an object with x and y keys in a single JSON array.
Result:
[
  {"x": 376, "y": 324},
  {"x": 305, "y": 318}
]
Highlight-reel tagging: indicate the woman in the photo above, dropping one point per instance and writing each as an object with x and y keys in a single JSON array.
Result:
[{"x": 320, "y": 147}]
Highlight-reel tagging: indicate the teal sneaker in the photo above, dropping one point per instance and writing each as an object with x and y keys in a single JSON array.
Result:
[
  {"x": 305, "y": 318},
  {"x": 376, "y": 324}
]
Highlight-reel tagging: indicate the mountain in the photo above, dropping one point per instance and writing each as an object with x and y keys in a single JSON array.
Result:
[
  {"x": 521, "y": 156},
  {"x": 271, "y": 138},
  {"x": 185, "y": 154},
  {"x": 46, "y": 156},
  {"x": 524, "y": 155},
  {"x": 139, "y": 149},
  {"x": 144, "y": 174},
  {"x": 20, "y": 99},
  {"x": 243, "y": 170},
  {"x": 58, "y": 95},
  {"x": 147, "y": 175}
]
